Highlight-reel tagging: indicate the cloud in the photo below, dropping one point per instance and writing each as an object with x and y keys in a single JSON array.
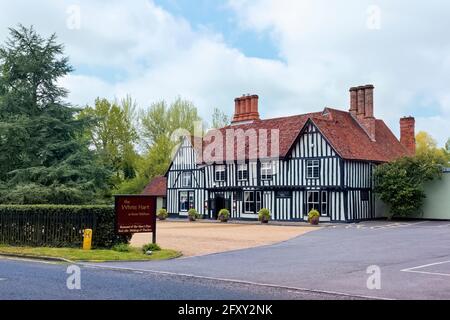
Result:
[
  {"x": 325, "y": 47},
  {"x": 329, "y": 45}
]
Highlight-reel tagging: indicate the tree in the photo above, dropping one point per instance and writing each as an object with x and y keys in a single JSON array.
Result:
[
  {"x": 158, "y": 123},
  {"x": 427, "y": 147},
  {"x": 161, "y": 120},
  {"x": 154, "y": 163},
  {"x": 400, "y": 183},
  {"x": 113, "y": 135},
  {"x": 43, "y": 158},
  {"x": 220, "y": 119},
  {"x": 447, "y": 149}
]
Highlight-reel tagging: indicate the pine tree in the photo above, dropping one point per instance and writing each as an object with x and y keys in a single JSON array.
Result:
[{"x": 43, "y": 157}]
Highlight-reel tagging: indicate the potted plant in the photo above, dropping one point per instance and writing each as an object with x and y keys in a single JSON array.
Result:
[
  {"x": 162, "y": 214},
  {"x": 224, "y": 215},
  {"x": 193, "y": 215},
  {"x": 314, "y": 217},
  {"x": 264, "y": 215}
]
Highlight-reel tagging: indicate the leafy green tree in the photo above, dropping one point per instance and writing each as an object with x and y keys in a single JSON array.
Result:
[
  {"x": 161, "y": 120},
  {"x": 157, "y": 124},
  {"x": 43, "y": 158},
  {"x": 113, "y": 135},
  {"x": 154, "y": 163},
  {"x": 427, "y": 147},
  {"x": 400, "y": 184},
  {"x": 220, "y": 119},
  {"x": 447, "y": 149}
]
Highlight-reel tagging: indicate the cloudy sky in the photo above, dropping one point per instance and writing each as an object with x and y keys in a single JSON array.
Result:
[{"x": 298, "y": 55}]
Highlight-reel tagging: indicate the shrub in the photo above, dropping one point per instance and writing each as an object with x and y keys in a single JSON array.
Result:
[
  {"x": 193, "y": 215},
  {"x": 224, "y": 215},
  {"x": 58, "y": 225},
  {"x": 314, "y": 217},
  {"x": 122, "y": 247},
  {"x": 150, "y": 247},
  {"x": 400, "y": 183},
  {"x": 162, "y": 214},
  {"x": 264, "y": 215}
]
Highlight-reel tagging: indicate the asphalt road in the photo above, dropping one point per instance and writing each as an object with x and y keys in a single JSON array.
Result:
[
  {"x": 24, "y": 280},
  {"x": 413, "y": 258},
  {"x": 332, "y": 263}
]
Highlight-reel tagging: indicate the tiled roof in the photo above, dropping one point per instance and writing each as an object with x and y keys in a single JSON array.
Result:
[
  {"x": 289, "y": 128},
  {"x": 340, "y": 129},
  {"x": 157, "y": 187},
  {"x": 351, "y": 142}
]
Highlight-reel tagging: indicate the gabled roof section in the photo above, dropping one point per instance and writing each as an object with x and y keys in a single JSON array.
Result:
[{"x": 304, "y": 130}]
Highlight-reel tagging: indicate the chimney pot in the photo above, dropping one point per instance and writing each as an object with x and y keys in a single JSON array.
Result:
[
  {"x": 246, "y": 109},
  {"x": 361, "y": 107},
  {"x": 361, "y": 101},
  {"x": 353, "y": 101},
  {"x": 408, "y": 134},
  {"x": 368, "y": 104}
]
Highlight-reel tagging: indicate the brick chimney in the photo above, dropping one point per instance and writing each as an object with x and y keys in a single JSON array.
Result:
[
  {"x": 408, "y": 134},
  {"x": 246, "y": 109},
  {"x": 362, "y": 108}
]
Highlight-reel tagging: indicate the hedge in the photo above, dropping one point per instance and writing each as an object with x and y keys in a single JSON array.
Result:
[{"x": 57, "y": 226}]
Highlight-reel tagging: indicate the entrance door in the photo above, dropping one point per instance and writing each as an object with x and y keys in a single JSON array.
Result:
[{"x": 219, "y": 204}]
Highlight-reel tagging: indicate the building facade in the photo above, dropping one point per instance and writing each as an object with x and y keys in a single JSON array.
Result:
[{"x": 322, "y": 161}]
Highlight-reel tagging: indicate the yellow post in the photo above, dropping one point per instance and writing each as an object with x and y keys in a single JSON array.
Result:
[{"x": 87, "y": 241}]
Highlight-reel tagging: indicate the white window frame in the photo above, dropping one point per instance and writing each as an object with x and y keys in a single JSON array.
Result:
[
  {"x": 324, "y": 203},
  {"x": 255, "y": 201},
  {"x": 266, "y": 170},
  {"x": 312, "y": 204},
  {"x": 186, "y": 178},
  {"x": 311, "y": 166},
  {"x": 242, "y": 167},
  {"x": 222, "y": 170}
]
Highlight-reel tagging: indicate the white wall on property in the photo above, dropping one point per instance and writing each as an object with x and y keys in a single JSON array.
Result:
[
  {"x": 159, "y": 203},
  {"x": 437, "y": 203}
]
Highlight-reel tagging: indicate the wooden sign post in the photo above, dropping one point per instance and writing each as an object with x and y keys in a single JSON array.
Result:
[{"x": 135, "y": 214}]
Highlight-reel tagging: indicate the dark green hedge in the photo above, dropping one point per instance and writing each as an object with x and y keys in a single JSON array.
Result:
[{"x": 57, "y": 226}]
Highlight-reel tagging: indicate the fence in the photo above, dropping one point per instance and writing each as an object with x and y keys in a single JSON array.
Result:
[{"x": 57, "y": 226}]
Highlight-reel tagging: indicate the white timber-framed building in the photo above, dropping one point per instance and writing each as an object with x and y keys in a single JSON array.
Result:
[{"x": 323, "y": 160}]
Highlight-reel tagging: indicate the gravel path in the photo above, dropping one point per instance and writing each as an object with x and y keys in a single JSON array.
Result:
[{"x": 199, "y": 238}]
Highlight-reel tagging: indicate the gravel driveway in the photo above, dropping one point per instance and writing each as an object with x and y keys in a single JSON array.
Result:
[{"x": 201, "y": 238}]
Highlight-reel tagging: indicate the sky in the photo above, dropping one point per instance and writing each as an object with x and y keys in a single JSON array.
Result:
[{"x": 299, "y": 56}]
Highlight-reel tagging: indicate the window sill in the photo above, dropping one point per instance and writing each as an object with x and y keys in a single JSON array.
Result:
[{"x": 249, "y": 215}]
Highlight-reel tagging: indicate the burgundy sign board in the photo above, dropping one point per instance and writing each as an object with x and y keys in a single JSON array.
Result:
[{"x": 135, "y": 214}]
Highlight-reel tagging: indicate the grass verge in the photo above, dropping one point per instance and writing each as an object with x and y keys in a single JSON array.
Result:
[{"x": 97, "y": 255}]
